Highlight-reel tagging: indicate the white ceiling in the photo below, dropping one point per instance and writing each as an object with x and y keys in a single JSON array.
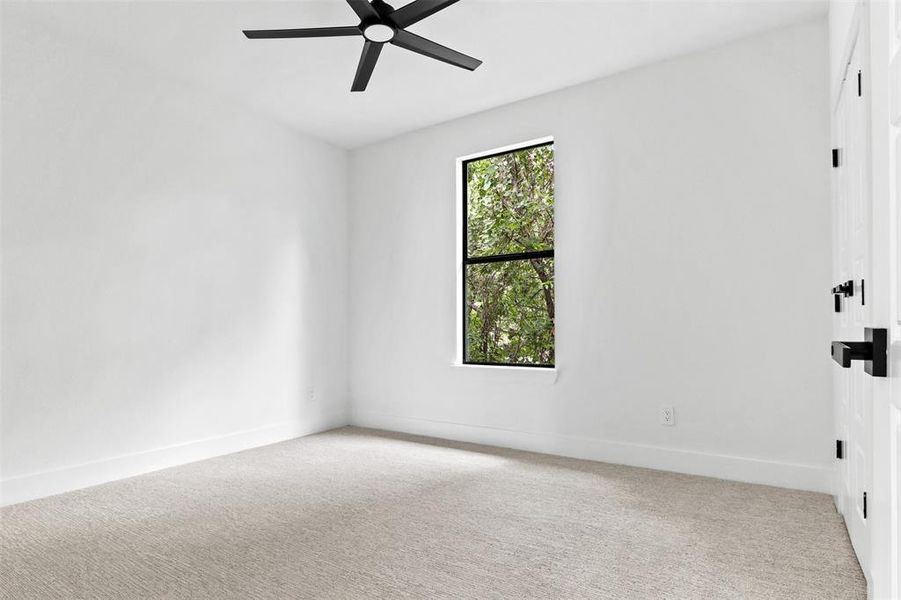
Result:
[{"x": 528, "y": 47}]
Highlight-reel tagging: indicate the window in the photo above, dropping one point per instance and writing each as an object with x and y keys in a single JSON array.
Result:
[{"x": 508, "y": 258}]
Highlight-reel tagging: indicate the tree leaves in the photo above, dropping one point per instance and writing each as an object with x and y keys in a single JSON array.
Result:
[
  {"x": 510, "y": 202},
  {"x": 509, "y": 320},
  {"x": 510, "y": 305}
]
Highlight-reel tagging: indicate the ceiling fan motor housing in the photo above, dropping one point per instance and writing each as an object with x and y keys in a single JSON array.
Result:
[
  {"x": 383, "y": 9},
  {"x": 381, "y": 28}
]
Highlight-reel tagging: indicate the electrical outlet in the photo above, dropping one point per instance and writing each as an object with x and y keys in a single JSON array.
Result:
[{"x": 668, "y": 416}]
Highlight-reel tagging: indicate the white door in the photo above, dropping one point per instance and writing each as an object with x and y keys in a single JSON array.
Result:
[
  {"x": 867, "y": 216},
  {"x": 852, "y": 217}
]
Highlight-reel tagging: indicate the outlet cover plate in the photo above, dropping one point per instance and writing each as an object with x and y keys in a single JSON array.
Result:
[{"x": 668, "y": 416}]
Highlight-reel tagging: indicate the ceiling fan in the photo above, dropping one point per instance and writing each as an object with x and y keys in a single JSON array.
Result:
[{"x": 381, "y": 24}]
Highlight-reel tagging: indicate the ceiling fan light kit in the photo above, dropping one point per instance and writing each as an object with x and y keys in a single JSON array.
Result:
[
  {"x": 380, "y": 24},
  {"x": 378, "y": 32}
]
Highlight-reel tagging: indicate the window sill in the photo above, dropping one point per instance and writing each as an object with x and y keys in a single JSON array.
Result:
[{"x": 514, "y": 374}]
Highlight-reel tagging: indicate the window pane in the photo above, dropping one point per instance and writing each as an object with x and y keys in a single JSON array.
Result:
[
  {"x": 510, "y": 202},
  {"x": 510, "y": 312}
]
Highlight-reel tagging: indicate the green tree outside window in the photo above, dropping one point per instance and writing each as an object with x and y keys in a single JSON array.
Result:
[{"x": 509, "y": 310}]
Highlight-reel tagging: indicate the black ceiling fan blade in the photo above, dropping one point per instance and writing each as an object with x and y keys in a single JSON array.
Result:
[
  {"x": 368, "y": 58},
  {"x": 310, "y": 32},
  {"x": 363, "y": 9},
  {"x": 418, "y": 10},
  {"x": 420, "y": 45}
]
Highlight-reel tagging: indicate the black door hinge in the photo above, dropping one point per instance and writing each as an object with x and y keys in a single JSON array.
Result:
[
  {"x": 864, "y": 505},
  {"x": 835, "y": 158},
  {"x": 859, "y": 84},
  {"x": 863, "y": 295},
  {"x": 839, "y": 449}
]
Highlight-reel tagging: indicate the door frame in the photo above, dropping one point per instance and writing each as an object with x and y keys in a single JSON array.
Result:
[{"x": 884, "y": 579}]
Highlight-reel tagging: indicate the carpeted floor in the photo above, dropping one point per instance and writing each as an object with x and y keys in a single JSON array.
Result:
[{"x": 355, "y": 513}]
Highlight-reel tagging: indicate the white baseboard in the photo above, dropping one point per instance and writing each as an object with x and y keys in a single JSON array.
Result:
[
  {"x": 66, "y": 479},
  {"x": 812, "y": 478},
  {"x": 781, "y": 474}
]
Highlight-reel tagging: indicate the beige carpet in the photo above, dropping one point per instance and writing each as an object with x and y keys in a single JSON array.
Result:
[{"x": 356, "y": 513}]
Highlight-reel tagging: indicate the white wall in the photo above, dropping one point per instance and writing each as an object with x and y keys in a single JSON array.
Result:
[
  {"x": 173, "y": 269},
  {"x": 693, "y": 245},
  {"x": 174, "y": 275}
]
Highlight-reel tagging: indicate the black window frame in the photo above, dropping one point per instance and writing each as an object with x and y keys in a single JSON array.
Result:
[{"x": 495, "y": 258}]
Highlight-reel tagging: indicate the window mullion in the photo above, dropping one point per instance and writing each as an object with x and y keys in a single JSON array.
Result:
[{"x": 477, "y": 260}]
